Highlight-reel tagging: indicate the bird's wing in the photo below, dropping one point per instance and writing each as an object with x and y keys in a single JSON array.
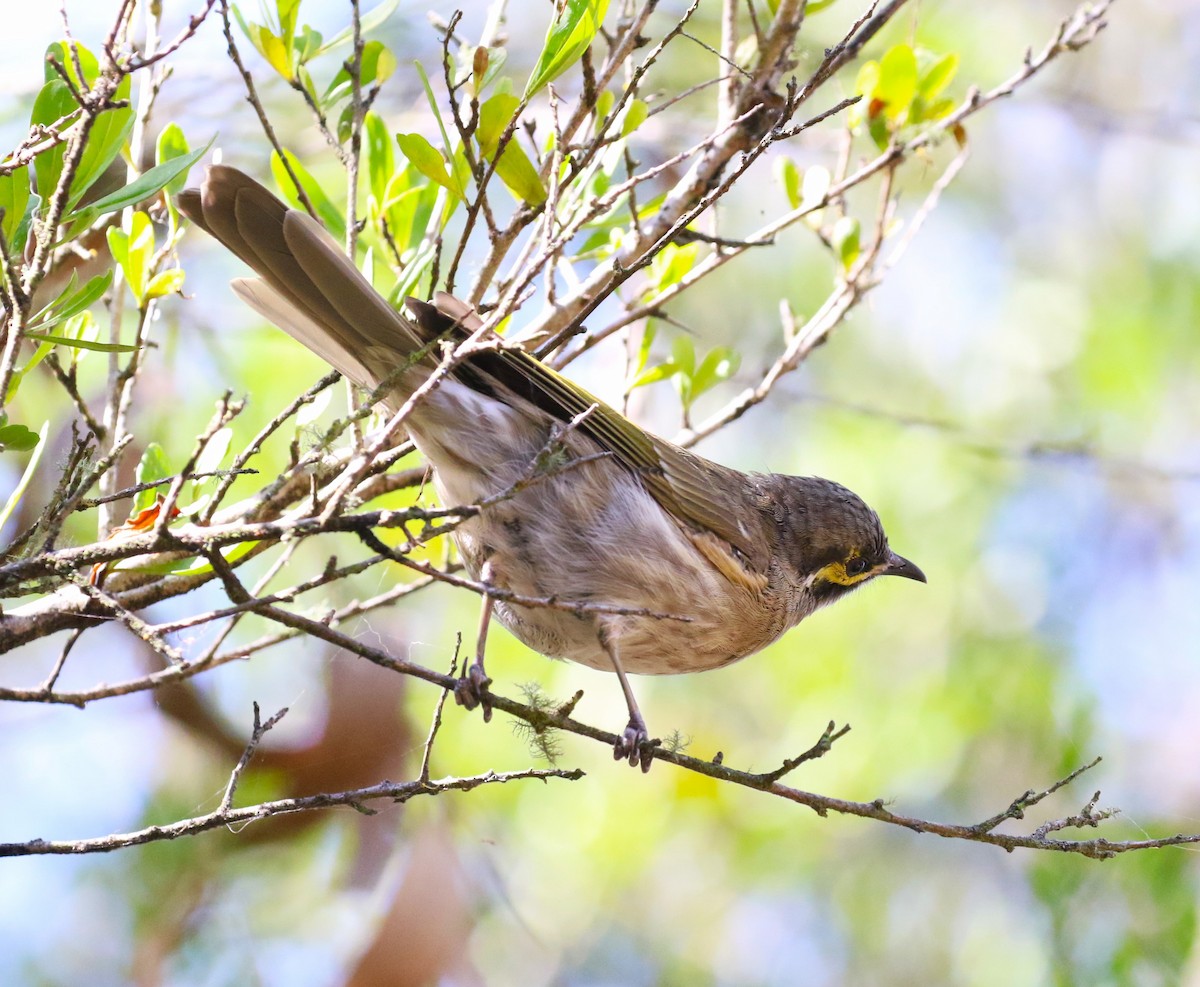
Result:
[{"x": 708, "y": 498}]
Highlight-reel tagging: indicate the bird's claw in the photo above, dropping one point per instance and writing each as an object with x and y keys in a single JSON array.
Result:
[
  {"x": 635, "y": 745},
  {"x": 472, "y": 690}
]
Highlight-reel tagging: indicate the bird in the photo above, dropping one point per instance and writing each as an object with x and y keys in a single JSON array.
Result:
[{"x": 671, "y": 563}]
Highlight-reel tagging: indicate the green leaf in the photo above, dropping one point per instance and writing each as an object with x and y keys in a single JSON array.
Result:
[
  {"x": 307, "y": 45},
  {"x": 147, "y": 184},
  {"x": 671, "y": 264},
  {"x": 635, "y": 115},
  {"x": 165, "y": 283},
  {"x": 519, "y": 175},
  {"x": 378, "y": 63},
  {"x": 427, "y": 160},
  {"x": 64, "y": 307},
  {"x": 937, "y": 76},
  {"x": 61, "y": 51},
  {"x": 569, "y": 36},
  {"x": 720, "y": 364},
  {"x": 17, "y": 438},
  {"x": 652, "y": 375},
  {"x": 104, "y": 143},
  {"x": 82, "y": 344},
  {"x": 43, "y": 351},
  {"x": 172, "y": 144},
  {"x": 327, "y": 212},
  {"x": 494, "y": 117},
  {"x": 133, "y": 251},
  {"x": 435, "y": 109},
  {"x": 604, "y": 104},
  {"x": 32, "y": 207},
  {"x": 514, "y": 167},
  {"x": 30, "y": 467},
  {"x": 789, "y": 177},
  {"x": 287, "y": 12},
  {"x": 846, "y": 235},
  {"x": 683, "y": 353},
  {"x": 381, "y": 161},
  {"x": 368, "y": 23},
  {"x": 645, "y": 343},
  {"x": 54, "y": 101},
  {"x": 152, "y": 466},
  {"x": 268, "y": 44},
  {"x": 14, "y": 200},
  {"x": 897, "y": 80}
]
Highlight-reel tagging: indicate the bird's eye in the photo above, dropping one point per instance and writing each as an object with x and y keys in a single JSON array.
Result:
[{"x": 856, "y": 566}]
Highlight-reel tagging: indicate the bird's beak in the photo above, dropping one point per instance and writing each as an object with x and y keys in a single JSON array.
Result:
[{"x": 900, "y": 566}]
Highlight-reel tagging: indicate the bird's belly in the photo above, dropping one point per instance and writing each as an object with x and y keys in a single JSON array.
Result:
[{"x": 593, "y": 537}]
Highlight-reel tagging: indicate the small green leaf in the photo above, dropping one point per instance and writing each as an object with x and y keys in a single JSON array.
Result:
[
  {"x": 32, "y": 208},
  {"x": 494, "y": 117},
  {"x": 152, "y": 466},
  {"x": 671, "y": 264},
  {"x": 82, "y": 344},
  {"x": 428, "y": 161},
  {"x": 327, "y": 212},
  {"x": 54, "y": 101},
  {"x": 165, "y": 283},
  {"x": 519, "y": 175},
  {"x": 514, "y": 167},
  {"x": 104, "y": 143},
  {"x": 133, "y": 251},
  {"x": 64, "y": 307},
  {"x": 30, "y": 468},
  {"x": 652, "y": 375},
  {"x": 683, "y": 353},
  {"x": 897, "y": 80},
  {"x": 378, "y": 63},
  {"x": 604, "y": 103},
  {"x": 370, "y": 20},
  {"x": 65, "y": 52},
  {"x": 268, "y": 44},
  {"x": 149, "y": 183},
  {"x": 14, "y": 200},
  {"x": 720, "y": 364},
  {"x": 846, "y": 236},
  {"x": 287, "y": 12},
  {"x": 172, "y": 144},
  {"x": 569, "y": 36},
  {"x": 938, "y": 76},
  {"x": 306, "y": 45},
  {"x": 649, "y": 333},
  {"x": 635, "y": 116},
  {"x": 789, "y": 177},
  {"x": 17, "y": 438},
  {"x": 381, "y": 161}
]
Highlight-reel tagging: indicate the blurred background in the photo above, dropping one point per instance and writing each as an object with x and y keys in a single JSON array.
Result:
[{"x": 1020, "y": 401}]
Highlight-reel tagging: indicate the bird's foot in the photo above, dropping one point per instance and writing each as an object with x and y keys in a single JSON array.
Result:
[
  {"x": 635, "y": 744},
  {"x": 472, "y": 690}
]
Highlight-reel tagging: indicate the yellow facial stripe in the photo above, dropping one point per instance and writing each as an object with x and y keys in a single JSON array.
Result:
[{"x": 836, "y": 572}]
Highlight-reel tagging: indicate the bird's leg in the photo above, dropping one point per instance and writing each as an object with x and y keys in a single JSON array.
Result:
[
  {"x": 635, "y": 743},
  {"x": 472, "y": 689}
]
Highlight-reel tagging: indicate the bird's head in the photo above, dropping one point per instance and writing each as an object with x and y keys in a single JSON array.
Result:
[{"x": 831, "y": 539}]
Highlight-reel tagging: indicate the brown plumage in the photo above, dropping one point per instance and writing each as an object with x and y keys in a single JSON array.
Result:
[{"x": 650, "y": 526}]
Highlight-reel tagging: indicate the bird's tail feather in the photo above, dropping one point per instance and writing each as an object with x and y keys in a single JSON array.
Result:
[{"x": 306, "y": 285}]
